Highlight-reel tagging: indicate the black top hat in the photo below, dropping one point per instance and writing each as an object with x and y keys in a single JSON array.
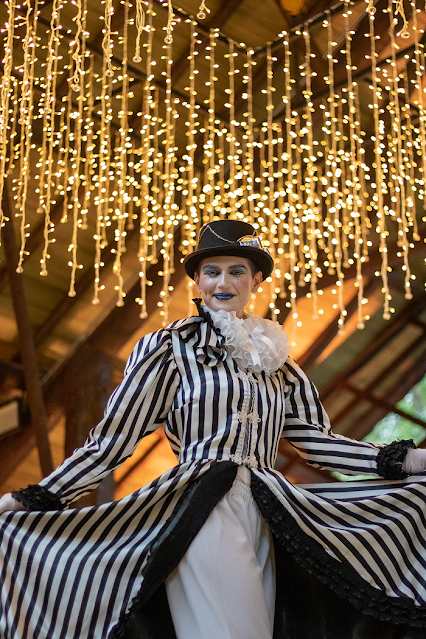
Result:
[{"x": 230, "y": 237}]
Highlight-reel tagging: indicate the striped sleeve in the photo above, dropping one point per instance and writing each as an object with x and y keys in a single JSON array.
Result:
[
  {"x": 136, "y": 408},
  {"x": 307, "y": 428}
]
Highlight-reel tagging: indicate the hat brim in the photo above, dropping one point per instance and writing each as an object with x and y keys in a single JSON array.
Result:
[{"x": 262, "y": 259}]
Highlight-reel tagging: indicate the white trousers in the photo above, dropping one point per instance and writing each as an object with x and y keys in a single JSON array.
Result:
[{"x": 224, "y": 587}]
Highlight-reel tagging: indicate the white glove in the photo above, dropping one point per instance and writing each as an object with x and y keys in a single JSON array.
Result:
[
  {"x": 414, "y": 462},
  {"x": 7, "y": 502}
]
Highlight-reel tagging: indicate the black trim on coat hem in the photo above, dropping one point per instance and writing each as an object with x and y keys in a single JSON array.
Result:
[
  {"x": 340, "y": 577},
  {"x": 167, "y": 550}
]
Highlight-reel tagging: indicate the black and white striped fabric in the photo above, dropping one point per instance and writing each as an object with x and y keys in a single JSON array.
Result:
[{"x": 74, "y": 573}]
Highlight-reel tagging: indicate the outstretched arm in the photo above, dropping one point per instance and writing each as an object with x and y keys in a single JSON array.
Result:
[
  {"x": 137, "y": 407},
  {"x": 307, "y": 427}
]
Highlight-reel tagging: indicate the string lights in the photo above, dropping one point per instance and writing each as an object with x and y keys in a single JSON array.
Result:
[{"x": 208, "y": 146}]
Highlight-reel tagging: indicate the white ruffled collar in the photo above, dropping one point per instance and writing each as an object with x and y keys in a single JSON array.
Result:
[{"x": 256, "y": 344}]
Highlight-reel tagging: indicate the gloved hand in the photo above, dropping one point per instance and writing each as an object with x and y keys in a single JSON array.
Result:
[
  {"x": 414, "y": 462},
  {"x": 7, "y": 502}
]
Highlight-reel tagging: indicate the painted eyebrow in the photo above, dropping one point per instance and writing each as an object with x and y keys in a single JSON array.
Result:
[{"x": 232, "y": 266}]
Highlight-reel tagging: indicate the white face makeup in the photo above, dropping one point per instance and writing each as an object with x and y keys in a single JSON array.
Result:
[{"x": 225, "y": 282}]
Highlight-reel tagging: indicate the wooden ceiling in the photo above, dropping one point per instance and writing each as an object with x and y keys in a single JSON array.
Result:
[{"x": 361, "y": 374}]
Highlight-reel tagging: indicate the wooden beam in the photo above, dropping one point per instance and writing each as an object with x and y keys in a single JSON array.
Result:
[
  {"x": 378, "y": 379},
  {"x": 402, "y": 386},
  {"x": 388, "y": 405},
  {"x": 215, "y": 21},
  {"x": 36, "y": 238},
  {"x": 123, "y": 322},
  {"x": 120, "y": 325},
  {"x": 412, "y": 310},
  {"x": 26, "y": 343},
  {"x": 308, "y": 358},
  {"x": 84, "y": 282}
]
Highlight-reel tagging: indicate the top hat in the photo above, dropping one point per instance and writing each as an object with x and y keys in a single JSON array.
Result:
[{"x": 230, "y": 237}]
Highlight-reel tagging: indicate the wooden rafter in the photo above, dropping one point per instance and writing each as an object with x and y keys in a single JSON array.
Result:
[
  {"x": 380, "y": 407},
  {"x": 378, "y": 379},
  {"x": 308, "y": 358},
  {"x": 215, "y": 21},
  {"x": 386, "y": 404},
  {"x": 123, "y": 322},
  {"x": 411, "y": 311},
  {"x": 26, "y": 343},
  {"x": 36, "y": 238}
]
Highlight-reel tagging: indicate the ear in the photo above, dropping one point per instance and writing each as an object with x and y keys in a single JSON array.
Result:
[
  {"x": 196, "y": 280},
  {"x": 258, "y": 279}
]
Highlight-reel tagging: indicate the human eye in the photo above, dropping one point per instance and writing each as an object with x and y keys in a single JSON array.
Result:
[
  {"x": 210, "y": 271},
  {"x": 237, "y": 272}
]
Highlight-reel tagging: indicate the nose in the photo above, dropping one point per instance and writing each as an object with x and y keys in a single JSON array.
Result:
[{"x": 223, "y": 281}]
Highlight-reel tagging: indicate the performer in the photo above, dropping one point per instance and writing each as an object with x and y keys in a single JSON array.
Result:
[{"x": 222, "y": 534}]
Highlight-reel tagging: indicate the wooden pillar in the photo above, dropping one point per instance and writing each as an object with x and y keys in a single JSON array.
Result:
[
  {"x": 88, "y": 383},
  {"x": 26, "y": 342}
]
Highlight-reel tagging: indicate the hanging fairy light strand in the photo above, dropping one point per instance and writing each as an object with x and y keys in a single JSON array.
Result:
[
  {"x": 140, "y": 26},
  {"x": 399, "y": 165},
  {"x": 25, "y": 115},
  {"x": 270, "y": 165},
  {"x": 48, "y": 111},
  {"x": 5, "y": 89},
  {"x": 107, "y": 37},
  {"x": 311, "y": 210},
  {"x": 378, "y": 197},
  {"x": 333, "y": 172},
  {"x": 145, "y": 169},
  {"x": 420, "y": 71},
  {"x": 121, "y": 214},
  {"x": 189, "y": 233},
  {"x": 353, "y": 172},
  {"x": 166, "y": 234},
  {"x": 76, "y": 190}
]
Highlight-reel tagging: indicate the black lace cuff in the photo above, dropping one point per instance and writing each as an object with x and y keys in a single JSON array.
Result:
[
  {"x": 391, "y": 458},
  {"x": 37, "y": 497}
]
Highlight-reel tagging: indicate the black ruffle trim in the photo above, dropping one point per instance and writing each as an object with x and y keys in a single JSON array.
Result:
[
  {"x": 167, "y": 550},
  {"x": 340, "y": 577},
  {"x": 391, "y": 458},
  {"x": 36, "y": 497}
]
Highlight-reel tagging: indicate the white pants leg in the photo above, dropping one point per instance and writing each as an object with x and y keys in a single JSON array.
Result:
[{"x": 224, "y": 587}]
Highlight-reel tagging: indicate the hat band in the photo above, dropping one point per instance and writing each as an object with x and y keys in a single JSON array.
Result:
[{"x": 246, "y": 240}]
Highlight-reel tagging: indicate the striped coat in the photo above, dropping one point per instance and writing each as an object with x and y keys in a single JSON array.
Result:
[{"x": 79, "y": 573}]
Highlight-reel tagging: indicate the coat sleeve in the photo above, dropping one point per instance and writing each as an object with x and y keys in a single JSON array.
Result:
[
  {"x": 307, "y": 428},
  {"x": 137, "y": 407}
]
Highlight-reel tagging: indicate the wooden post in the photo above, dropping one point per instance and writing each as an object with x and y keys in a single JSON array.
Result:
[
  {"x": 88, "y": 382},
  {"x": 26, "y": 343}
]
